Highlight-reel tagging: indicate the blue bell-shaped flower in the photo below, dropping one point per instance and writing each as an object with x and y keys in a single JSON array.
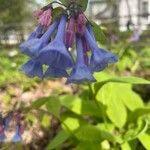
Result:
[
  {"x": 32, "y": 47},
  {"x": 81, "y": 72},
  {"x": 7, "y": 121},
  {"x": 32, "y": 68},
  {"x": 17, "y": 137},
  {"x": 56, "y": 53},
  {"x": 55, "y": 72},
  {"x": 39, "y": 31},
  {"x": 100, "y": 57},
  {"x": 2, "y": 134}
]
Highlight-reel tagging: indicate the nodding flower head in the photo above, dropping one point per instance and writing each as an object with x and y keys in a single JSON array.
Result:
[
  {"x": 45, "y": 18},
  {"x": 100, "y": 57},
  {"x": 81, "y": 24},
  {"x": 2, "y": 134},
  {"x": 32, "y": 68},
  {"x": 17, "y": 137},
  {"x": 55, "y": 73},
  {"x": 70, "y": 32},
  {"x": 33, "y": 46},
  {"x": 56, "y": 52},
  {"x": 80, "y": 72}
]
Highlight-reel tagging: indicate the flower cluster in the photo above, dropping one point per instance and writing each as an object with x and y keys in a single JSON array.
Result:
[
  {"x": 49, "y": 47},
  {"x": 15, "y": 117}
]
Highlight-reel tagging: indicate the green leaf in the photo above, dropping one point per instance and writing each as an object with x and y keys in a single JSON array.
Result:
[
  {"x": 145, "y": 140},
  {"x": 116, "y": 111},
  {"x": 60, "y": 138},
  {"x": 79, "y": 106},
  {"x": 82, "y": 3},
  {"x": 88, "y": 146},
  {"x": 137, "y": 130},
  {"x": 126, "y": 146},
  {"x": 45, "y": 121},
  {"x": 93, "y": 134},
  {"x": 138, "y": 113},
  {"x": 53, "y": 106},
  {"x": 129, "y": 80},
  {"x": 99, "y": 34},
  {"x": 39, "y": 103}
]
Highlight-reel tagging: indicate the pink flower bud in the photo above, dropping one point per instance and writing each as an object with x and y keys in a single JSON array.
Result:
[
  {"x": 70, "y": 33},
  {"x": 38, "y": 13},
  {"x": 46, "y": 18},
  {"x": 81, "y": 24}
]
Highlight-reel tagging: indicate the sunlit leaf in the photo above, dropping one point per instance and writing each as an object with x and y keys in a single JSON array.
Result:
[
  {"x": 116, "y": 111},
  {"x": 60, "y": 138}
]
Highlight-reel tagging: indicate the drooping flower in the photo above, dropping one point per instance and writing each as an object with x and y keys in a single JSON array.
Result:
[
  {"x": 81, "y": 24},
  {"x": 2, "y": 134},
  {"x": 55, "y": 72},
  {"x": 45, "y": 18},
  {"x": 32, "y": 68},
  {"x": 32, "y": 47},
  {"x": 7, "y": 120},
  {"x": 100, "y": 57},
  {"x": 70, "y": 32},
  {"x": 55, "y": 54},
  {"x": 17, "y": 137},
  {"x": 86, "y": 49},
  {"x": 81, "y": 72}
]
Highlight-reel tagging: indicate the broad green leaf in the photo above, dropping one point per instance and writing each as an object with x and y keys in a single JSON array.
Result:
[
  {"x": 53, "y": 106},
  {"x": 130, "y": 99},
  {"x": 126, "y": 146},
  {"x": 130, "y": 80},
  {"x": 145, "y": 140},
  {"x": 79, "y": 106},
  {"x": 88, "y": 146},
  {"x": 116, "y": 111},
  {"x": 82, "y": 3},
  {"x": 133, "y": 133},
  {"x": 60, "y": 138},
  {"x": 39, "y": 103},
  {"x": 93, "y": 134},
  {"x": 138, "y": 113},
  {"x": 99, "y": 35}
]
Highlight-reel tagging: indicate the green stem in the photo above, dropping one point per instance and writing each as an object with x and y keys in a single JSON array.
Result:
[{"x": 98, "y": 105}]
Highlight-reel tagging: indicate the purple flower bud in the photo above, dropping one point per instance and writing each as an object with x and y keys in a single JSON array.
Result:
[
  {"x": 81, "y": 24},
  {"x": 17, "y": 137},
  {"x": 45, "y": 18},
  {"x": 70, "y": 33},
  {"x": 33, "y": 46},
  {"x": 32, "y": 69},
  {"x": 100, "y": 57},
  {"x": 56, "y": 53},
  {"x": 80, "y": 72}
]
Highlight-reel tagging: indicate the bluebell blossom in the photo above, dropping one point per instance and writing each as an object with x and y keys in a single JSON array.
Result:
[
  {"x": 100, "y": 57},
  {"x": 81, "y": 72},
  {"x": 55, "y": 53},
  {"x": 33, "y": 68},
  {"x": 55, "y": 72},
  {"x": 17, "y": 137},
  {"x": 32, "y": 46},
  {"x": 2, "y": 134}
]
